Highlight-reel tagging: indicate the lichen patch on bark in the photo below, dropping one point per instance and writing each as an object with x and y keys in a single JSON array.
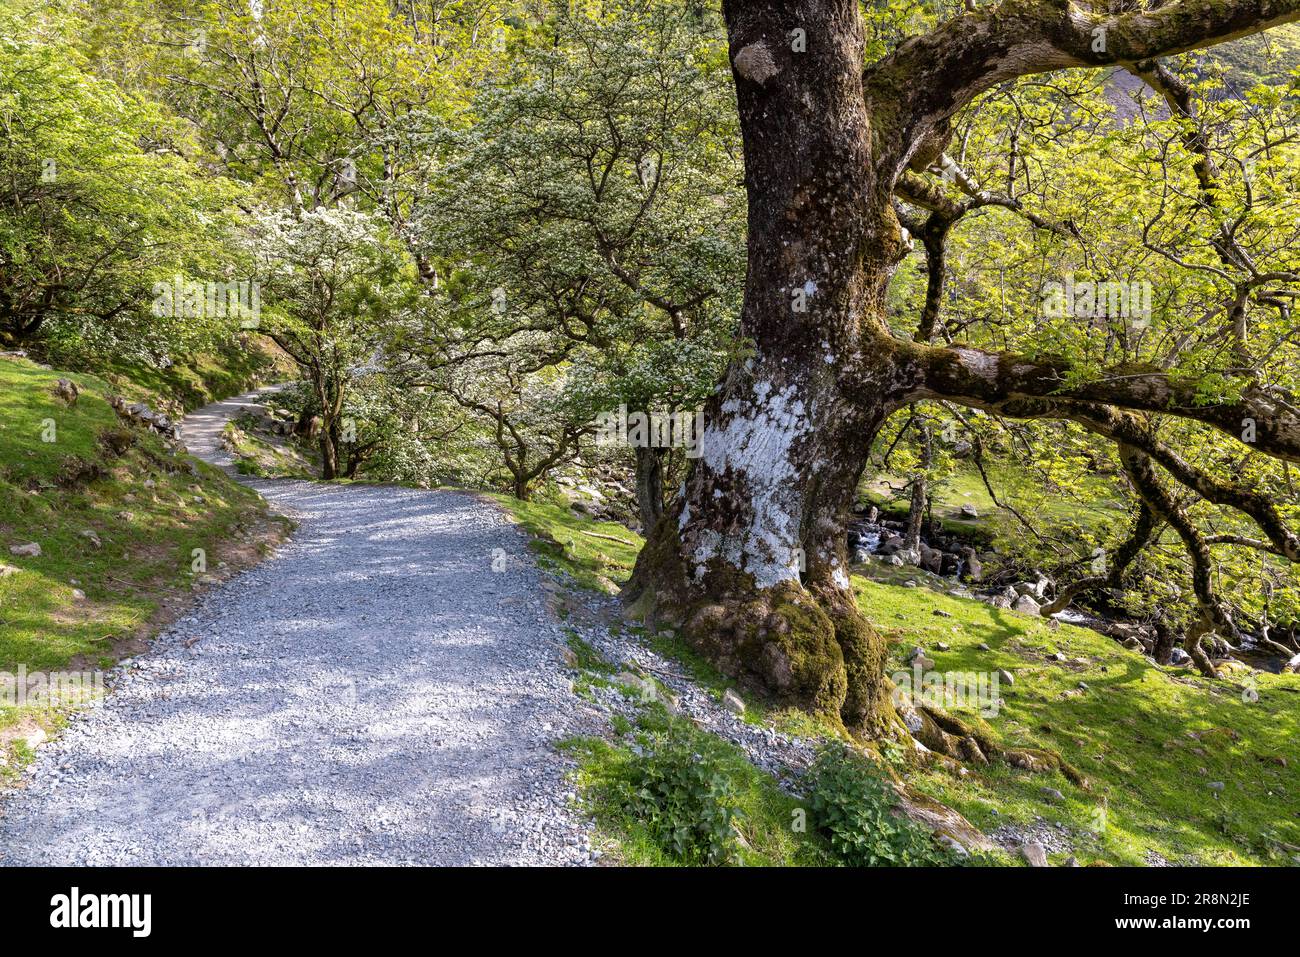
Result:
[{"x": 752, "y": 453}]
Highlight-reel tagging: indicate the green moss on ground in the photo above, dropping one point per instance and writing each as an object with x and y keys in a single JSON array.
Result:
[
  {"x": 596, "y": 555},
  {"x": 255, "y": 455},
  {"x": 1150, "y": 740},
  {"x": 195, "y": 381}
]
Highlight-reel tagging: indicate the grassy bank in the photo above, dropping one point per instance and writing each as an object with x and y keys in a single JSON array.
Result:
[
  {"x": 127, "y": 531},
  {"x": 1179, "y": 769}
]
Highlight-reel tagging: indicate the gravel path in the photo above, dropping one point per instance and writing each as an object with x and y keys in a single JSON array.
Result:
[{"x": 373, "y": 694}]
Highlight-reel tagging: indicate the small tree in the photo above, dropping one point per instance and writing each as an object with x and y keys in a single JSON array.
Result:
[
  {"x": 336, "y": 287},
  {"x": 589, "y": 211}
]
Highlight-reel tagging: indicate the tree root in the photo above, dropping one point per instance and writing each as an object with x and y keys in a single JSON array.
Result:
[{"x": 953, "y": 738}]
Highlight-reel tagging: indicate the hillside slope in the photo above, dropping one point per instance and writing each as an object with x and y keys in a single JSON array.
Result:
[{"x": 125, "y": 528}]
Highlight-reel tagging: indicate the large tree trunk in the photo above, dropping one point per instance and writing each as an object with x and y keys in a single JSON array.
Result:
[{"x": 788, "y": 433}]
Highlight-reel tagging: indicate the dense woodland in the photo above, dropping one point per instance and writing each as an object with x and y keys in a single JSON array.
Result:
[{"x": 1004, "y": 293}]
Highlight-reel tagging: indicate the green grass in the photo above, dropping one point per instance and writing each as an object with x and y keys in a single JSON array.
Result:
[
  {"x": 197, "y": 380},
  {"x": 564, "y": 544},
  {"x": 1129, "y": 732},
  {"x": 256, "y": 456},
  {"x": 1149, "y": 740},
  {"x": 767, "y": 822},
  {"x": 1094, "y": 504},
  {"x": 145, "y": 507},
  {"x": 596, "y": 555}
]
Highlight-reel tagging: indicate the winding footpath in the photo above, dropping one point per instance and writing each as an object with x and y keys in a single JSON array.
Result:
[{"x": 374, "y": 693}]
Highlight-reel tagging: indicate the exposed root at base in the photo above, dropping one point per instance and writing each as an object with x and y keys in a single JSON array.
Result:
[{"x": 952, "y": 738}]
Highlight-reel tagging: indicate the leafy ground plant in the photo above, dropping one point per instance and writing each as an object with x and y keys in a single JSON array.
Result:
[
  {"x": 855, "y": 810},
  {"x": 687, "y": 803}
]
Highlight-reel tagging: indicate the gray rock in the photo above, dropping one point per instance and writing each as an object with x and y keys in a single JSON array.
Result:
[
  {"x": 67, "y": 390},
  {"x": 931, "y": 559},
  {"x": 634, "y": 681},
  {"x": 733, "y": 702},
  {"x": 30, "y": 550},
  {"x": 1052, "y": 794},
  {"x": 1034, "y": 853},
  {"x": 1026, "y": 605},
  {"x": 1006, "y": 677}
]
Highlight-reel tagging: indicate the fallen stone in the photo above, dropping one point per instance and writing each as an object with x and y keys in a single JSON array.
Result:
[
  {"x": 30, "y": 550},
  {"x": 1026, "y": 605},
  {"x": 67, "y": 390},
  {"x": 1034, "y": 853},
  {"x": 733, "y": 702}
]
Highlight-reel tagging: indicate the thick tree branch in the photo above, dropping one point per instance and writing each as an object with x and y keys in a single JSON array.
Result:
[
  {"x": 1263, "y": 418},
  {"x": 1215, "y": 615},
  {"x": 1140, "y": 536},
  {"x": 929, "y": 78}
]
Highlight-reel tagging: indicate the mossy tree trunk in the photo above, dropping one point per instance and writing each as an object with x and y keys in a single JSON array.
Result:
[{"x": 751, "y": 559}]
